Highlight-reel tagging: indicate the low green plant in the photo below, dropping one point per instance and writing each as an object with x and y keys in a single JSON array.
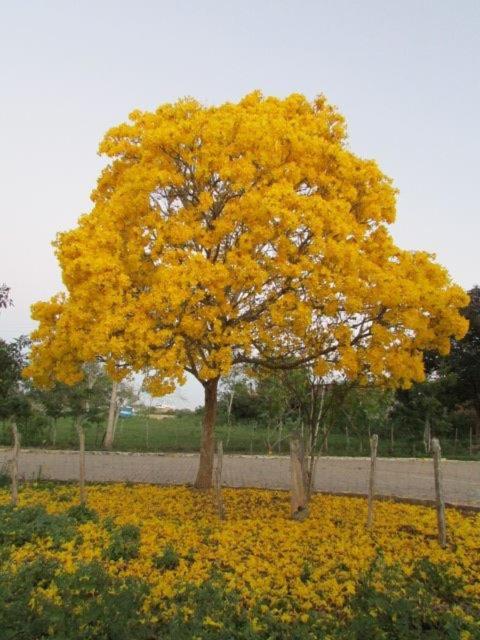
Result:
[
  {"x": 39, "y": 600},
  {"x": 21, "y": 525},
  {"x": 306, "y": 572},
  {"x": 124, "y": 543},
  {"x": 429, "y": 604},
  {"x": 81, "y": 513},
  {"x": 169, "y": 559},
  {"x": 92, "y": 605}
]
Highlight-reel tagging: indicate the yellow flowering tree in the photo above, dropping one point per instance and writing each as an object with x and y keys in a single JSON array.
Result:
[{"x": 245, "y": 233}]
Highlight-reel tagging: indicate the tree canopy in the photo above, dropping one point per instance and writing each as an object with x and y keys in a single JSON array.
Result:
[
  {"x": 464, "y": 360},
  {"x": 13, "y": 403},
  {"x": 458, "y": 375},
  {"x": 244, "y": 233}
]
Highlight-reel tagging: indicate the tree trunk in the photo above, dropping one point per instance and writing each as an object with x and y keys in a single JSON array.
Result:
[
  {"x": 110, "y": 432},
  {"x": 229, "y": 418},
  {"x": 115, "y": 423},
  {"x": 313, "y": 453},
  {"x": 229, "y": 408},
  {"x": 312, "y": 467},
  {"x": 207, "y": 446}
]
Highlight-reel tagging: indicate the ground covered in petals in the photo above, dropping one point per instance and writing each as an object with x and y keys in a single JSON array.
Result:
[{"x": 146, "y": 562}]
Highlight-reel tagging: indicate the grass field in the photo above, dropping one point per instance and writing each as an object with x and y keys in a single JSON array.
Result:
[
  {"x": 150, "y": 563},
  {"x": 182, "y": 433}
]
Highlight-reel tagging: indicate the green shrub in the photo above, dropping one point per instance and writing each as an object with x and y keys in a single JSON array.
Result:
[
  {"x": 108, "y": 524},
  {"x": 168, "y": 560},
  {"x": 209, "y": 601},
  {"x": 34, "y": 430},
  {"x": 124, "y": 543},
  {"x": 92, "y": 606},
  {"x": 306, "y": 572},
  {"x": 18, "y": 619},
  {"x": 408, "y": 607},
  {"x": 22, "y": 524},
  {"x": 81, "y": 513}
]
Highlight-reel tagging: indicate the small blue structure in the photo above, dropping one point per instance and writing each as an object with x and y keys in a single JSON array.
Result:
[{"x": 126, "y": 412}]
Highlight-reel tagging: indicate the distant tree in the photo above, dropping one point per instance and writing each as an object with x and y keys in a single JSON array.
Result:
[
  {"x": 451, "y": 391},
  {"x": 5, "y": 299},
  {"x": 464, "y": 362},
  {"x": 238, "y": 398},
  {"x": 87, "y": 403},
  {"x": 53, "y": 403},
  {"x": 274, "y": 405},
  {"x": 230, "y": 385},
  {"x": 13, "y": 401},
  {"x": 366, "y": 411},
  {"x": 316, "y": 402}
]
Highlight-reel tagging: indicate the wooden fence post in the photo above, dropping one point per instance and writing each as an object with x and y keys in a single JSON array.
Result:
[
  {"x": 371, "y": 482},
  {"x": 14, "y": 463},
  {"x": 298, "y": 502},
  {"x": 217, "y": 481},
  {"x": 439, "y": 496},
  {"x": 81, "y": 438}
]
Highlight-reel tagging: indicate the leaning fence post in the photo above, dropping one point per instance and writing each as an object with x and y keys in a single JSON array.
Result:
[
  {"x": 371, "y": 481},
  {"x": 218, "y": 481},
  {"x": 440, "y": 499},
  {"x": 298, "y": 497},
  {"x": 81, "y": 438},
  {"x": 14, "y": 463}
]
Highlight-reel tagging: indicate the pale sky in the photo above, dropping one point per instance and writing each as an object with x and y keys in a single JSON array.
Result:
[{"x": 404, "y": 73}]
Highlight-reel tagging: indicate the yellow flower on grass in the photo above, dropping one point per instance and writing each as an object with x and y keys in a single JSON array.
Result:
[{"x": 258, "y": 552}]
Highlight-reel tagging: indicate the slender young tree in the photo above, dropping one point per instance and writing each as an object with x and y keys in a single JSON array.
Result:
[
  {"x": 86, "y": 403},
  {"x": 120, "y": 393},
  {"x": 113, "y": 411},
  {"x": 245, "y": 233}
]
